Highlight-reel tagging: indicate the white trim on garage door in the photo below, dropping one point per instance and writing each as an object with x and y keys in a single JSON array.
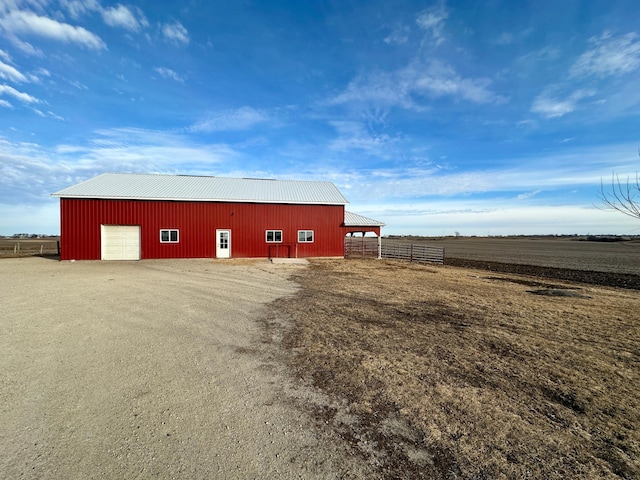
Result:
[{"x": 120, "y": 242}]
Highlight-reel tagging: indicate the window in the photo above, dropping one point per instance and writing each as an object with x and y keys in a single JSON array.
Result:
[
  {"x": 305, "y": 236},
  {"x": 169, "y": 236},
  {"x": 274, "y": 236}
]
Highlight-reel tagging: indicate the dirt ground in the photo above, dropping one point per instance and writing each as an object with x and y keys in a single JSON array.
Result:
[
  {"x": 442, "y": 372},
  {"x": 341, "y": 369},
  {"x": 153, "y": 369}
]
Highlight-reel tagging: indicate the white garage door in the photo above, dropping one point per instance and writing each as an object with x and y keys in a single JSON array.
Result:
[{"x": 120, "y": 242}]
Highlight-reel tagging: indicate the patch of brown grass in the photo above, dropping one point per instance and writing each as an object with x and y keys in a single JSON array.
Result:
[{"x": 443, "y": 372}]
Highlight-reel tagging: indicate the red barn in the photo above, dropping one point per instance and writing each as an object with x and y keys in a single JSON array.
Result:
[{"x": 117, "y": 216}]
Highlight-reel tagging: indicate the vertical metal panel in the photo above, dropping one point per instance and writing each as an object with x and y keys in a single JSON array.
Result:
[{"x": 197, "y": 221}]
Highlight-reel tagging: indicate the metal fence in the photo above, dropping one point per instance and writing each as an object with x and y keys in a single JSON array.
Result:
[{"x": 368, "y": 247}]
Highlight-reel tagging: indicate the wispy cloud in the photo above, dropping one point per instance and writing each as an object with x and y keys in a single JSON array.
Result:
[
  {"x": 377, "y": 88},
  {"x": 19, "y": 22},
  {"x": 432, "y": 20},
  {"x": 525, "y": 179},
  {"x": 175, "y": 33},
  {"x": 170, "y": 74},
  {"x": 610, "y": 55},
  {"x": 11, "y": 73},
  {"x": 527, "y": 195},
  {"x": 356, "y": 136},
  {"x": 23, "y": 97},
  {"x": 48, "y": 113},
  {"x": 441, "y": 79},
  {"x": 121, "y": 16},
  {"x": 406, "y": 87},
  {"x": 30, "y": 172},
  {"x": 398, "y": 36},
  {"x": 226, "y": 120},
  {"x": 550, "y": 106},
  {"x": 77, "y": 8}
]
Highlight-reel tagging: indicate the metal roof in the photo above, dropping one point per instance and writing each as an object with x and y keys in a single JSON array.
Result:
[
  {"x": 131, "y": 186},
  {"x": 355, "y": 220}
]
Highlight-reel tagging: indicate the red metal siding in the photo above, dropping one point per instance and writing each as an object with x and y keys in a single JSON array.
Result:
[{"x": 197, "y": 223}]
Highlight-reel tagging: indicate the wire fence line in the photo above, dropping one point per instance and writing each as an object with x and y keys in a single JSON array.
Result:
[{"x": 10, "y": 247}]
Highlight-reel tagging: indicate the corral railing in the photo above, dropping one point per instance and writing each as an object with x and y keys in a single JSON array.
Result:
[
  {"x": 368, "y": 247},
  {"x": 361, "y": 247}
]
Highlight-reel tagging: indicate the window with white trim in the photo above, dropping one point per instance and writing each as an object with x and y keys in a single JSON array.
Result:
[
  {"x": 274, "y": 236},
  {"x": 169, "y": 236},
  {"x": 305, "y": 236}
]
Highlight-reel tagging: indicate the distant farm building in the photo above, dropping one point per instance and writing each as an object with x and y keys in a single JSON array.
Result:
[{"x": 117, "y": 216}]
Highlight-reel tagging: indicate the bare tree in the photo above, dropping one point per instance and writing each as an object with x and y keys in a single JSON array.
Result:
[{"x": 622, "y": 196}]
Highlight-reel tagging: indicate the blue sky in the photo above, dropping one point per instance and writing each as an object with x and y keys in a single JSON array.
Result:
[{"x": 483, "y": 118}]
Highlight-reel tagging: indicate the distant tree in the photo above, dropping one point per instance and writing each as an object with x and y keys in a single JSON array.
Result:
[{"x": 622, "y": 196}]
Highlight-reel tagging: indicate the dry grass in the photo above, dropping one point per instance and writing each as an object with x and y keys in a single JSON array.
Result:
[
  {"x": 11, "y": 247},
  {"x": 443, "y": 372}
]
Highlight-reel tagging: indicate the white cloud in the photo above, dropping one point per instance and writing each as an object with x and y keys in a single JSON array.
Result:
[
  {"x": 23, "y": 97},
  {"x": 77, "y": 8},
  {"x": 609, "y": 56},
  {"x": 528, "y": 195},
  {"x": 11, "y": 73},
  {"x": 17, "y": 23},
  {"x": 30, "y": 172},
  {"x": 240, "y": 119},
  {"x": 402, "y": 87},
  {"x": 533, "y": 58},
  {"x": 578, "y": 167},
  {"x": 355, "y": 136},
  {"x": 398, "y": 36},
  {"x": 440, "y": 79},
  {"x": 549, "y": 107},
  {"x": 175, "y": 33},
  {"x": 48, "y": 113},
  {"x": 170, "y": 74},
  {"x": 5, "y": 104},
  {"x": 432, "y": 20},
  {"x": 380, "y": 88},
  {"x": 143, "y": 150},
  {"x": 121, "y": 16}
]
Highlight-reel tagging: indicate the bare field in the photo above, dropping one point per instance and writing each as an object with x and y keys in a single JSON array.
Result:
[
  {"x": 13, "y": 247},
  {"x": 561, "y": 252},
  {"x": 445, "y": 372}
]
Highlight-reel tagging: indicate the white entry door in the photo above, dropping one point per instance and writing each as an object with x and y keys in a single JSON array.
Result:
[{"x": 223, "y": 243}]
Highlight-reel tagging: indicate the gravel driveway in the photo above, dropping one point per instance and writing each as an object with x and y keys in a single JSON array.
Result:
[{"x": 151, "y": 369}]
